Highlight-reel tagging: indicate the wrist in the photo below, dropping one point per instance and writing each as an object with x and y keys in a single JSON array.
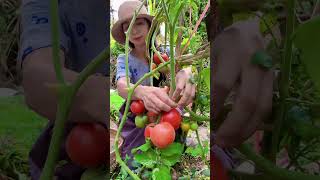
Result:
[{"x": 138, "y": 92}]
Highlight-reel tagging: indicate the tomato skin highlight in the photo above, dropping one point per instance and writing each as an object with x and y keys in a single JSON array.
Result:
[
  {"x": 152, "y": 117},
  {"x": 173, "y": 117},
  {"x": 162, "y": 135},
  {"x": 86, "y": 144},
  {"x": 137, "y": 107},
  {"x": 148, "y": 130},
  {"x": 157, "y": 60},
  {"x": 217, "y": 169}
]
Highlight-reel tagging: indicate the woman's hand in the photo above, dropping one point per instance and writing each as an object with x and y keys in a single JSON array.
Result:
[
  {"x": 155, "y": 99},
  {"x": 185, "y": 90}
]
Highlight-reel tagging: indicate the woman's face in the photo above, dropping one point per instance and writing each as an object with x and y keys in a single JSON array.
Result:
[{"x": 139, "y": 31}]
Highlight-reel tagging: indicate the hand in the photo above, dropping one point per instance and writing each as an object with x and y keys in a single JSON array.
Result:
[
  {"x": 155, "y": 99},
  {"x": 231, "y": 53},
  {"x": 184, "y": 88}
]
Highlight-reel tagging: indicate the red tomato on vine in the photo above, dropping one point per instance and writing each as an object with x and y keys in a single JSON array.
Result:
[
  {"x": 137, "y": 107},
  {"x": 162, "y": 135},
  {"x": 148, "y": 129},
  {"x": 86, "y": 144},
  {"x": 173, "y": 117},
  {"x": 157, "y": 60}
]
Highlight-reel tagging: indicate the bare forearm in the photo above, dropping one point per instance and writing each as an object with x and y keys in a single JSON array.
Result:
[
  {"x": 123, "y": 89},
  {"x": 89, "y": 104}
]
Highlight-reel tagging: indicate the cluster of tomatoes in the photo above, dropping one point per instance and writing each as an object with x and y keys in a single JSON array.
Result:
[{"x": 161, "y": 132}]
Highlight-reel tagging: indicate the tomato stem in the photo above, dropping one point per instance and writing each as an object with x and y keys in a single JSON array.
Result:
[{"x": 284, "y": 79}]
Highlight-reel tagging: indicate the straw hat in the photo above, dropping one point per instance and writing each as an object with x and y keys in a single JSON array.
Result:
[{"x": 125, "y": 13}]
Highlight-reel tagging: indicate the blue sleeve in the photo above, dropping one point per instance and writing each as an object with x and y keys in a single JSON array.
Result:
[
  {"x": 121, "y": 67},
  {"x": 35, "y": 28}
]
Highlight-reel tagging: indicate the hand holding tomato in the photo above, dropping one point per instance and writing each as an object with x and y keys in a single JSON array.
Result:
[{"x": 155, "y": 99}]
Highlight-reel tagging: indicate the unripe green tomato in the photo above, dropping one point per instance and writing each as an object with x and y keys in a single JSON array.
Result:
[
  {"x": 140, "y": 121},
  {"x": 185, "y": 126},
  {"x": 194, "y": 126}
]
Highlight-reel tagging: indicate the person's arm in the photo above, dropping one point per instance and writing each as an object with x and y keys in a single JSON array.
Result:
[
  {"x": 90, "y": 104},
  {"x": 155, "y": 99}
]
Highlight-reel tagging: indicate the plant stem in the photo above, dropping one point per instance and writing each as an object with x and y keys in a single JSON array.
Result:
[
  {"x": 269, "y": 168},
  {"x": 65, "y": 100},
  {"x": 284, "y": 81},
  {"x": 197, "y": 117},
  {"x": 55, "y": 40},
  {"x": 203, "y": 156}
]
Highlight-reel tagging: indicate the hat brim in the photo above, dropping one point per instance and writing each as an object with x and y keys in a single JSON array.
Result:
[{"x": 117, "y": 30}]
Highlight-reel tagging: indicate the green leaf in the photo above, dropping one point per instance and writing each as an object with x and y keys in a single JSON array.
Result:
[
  {"x": 170, "y": 160},
  {"x": 193, "y": 151},
  {"x": 94, "y": 173},
  {"x": 145, "y": 147},
  {"x": 307, "y": 39},
  {"x": 147, "y": 158},
  {"x": 205, "y": 73},
  {"x": 306, "y": 131},
  {"x": 262, "y": 59},
  {"x": 172, "y": 149},
  {"x": 206, "y": 172},
  {"x": 161, "y": 173}
]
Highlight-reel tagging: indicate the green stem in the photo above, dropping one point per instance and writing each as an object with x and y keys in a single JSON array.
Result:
[
  {"x": 172, "y": 62},
  {"x": 65, "y": 100},
  {"x": 197, "y": 117},
  {"x": 55, "y": 40},
  {"x": 269, "y": 168},
  {"x": 203, "y": 155},
  {"x": 284, "y": 81}
]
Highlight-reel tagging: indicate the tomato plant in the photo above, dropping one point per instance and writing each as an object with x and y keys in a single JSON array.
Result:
[
  {"x": 162, "y": 135},
  {"x": 173, "y": 117},
  {"x": 86, "y": 145}
]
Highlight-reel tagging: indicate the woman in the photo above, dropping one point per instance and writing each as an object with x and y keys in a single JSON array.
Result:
[{"x": 155, "y": 99}]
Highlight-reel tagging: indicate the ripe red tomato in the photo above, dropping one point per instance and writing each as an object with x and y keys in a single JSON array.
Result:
[
  {"x": 148, "y": 129},
  {"x": 217, "y": 169},
  {"x": 87, "y": 144},
  {"x": 162, "y": 135},
  {"x": 157, "y": 60},
  {"x": 173, "y": 117},
  {"x": 137, "y": 107},
  {"x": 152, "y": 117}
]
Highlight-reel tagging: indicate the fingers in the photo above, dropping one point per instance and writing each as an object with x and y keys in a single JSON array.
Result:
[
  {"x": 165, "y": 103},
  {"x": 188, "y": 95},
  {"x": 230, "y": 132},
  {"x": 180, "y": 85}
]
